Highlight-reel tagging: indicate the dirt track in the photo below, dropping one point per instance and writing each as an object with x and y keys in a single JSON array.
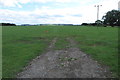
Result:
[{"x": 66, "y": 63}]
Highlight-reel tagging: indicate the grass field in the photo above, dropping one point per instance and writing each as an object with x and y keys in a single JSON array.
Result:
[{"x": 23, "y": 43}]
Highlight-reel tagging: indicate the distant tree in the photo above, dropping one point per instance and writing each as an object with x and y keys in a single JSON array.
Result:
[
  {"x": 112, "y": 18},
  {"x": 92, "y": 24},
  {"x": 7, "y": 24},
  {"x": 84, "y": 24},
  {"x": 99, "y": 22},
  {"x": 89, "y": 24}
]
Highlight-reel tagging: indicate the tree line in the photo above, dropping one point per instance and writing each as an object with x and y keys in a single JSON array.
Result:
[
  {"x": 7, "y": 24},
  {"x": 111, "y": 18}
]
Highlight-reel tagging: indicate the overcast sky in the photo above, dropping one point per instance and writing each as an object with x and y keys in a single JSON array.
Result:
[{"x": 53, "y": 11}]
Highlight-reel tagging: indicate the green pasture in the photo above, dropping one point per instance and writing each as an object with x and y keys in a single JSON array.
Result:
[{"x": 23, "y": 43}]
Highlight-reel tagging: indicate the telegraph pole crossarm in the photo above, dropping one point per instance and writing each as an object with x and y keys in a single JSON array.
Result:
[{"x": 98, "y": 6}]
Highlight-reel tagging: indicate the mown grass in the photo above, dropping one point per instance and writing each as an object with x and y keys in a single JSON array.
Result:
[
  {"x": 20, "y": 45},
  {"x": 61, "y": 43},
  {"x": 23, "y": 43},
  {"x": 102, "y": 45}
]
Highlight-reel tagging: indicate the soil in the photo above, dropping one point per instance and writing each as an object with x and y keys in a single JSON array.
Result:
[{"x": 67, "y": 63}]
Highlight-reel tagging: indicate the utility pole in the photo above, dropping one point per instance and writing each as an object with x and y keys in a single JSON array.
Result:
[
  {"x": 119, "y": 5},
  {"x": 98, "y": 11}
]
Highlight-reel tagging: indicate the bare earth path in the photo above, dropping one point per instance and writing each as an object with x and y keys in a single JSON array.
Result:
[{"x": 67, "y": 63}]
